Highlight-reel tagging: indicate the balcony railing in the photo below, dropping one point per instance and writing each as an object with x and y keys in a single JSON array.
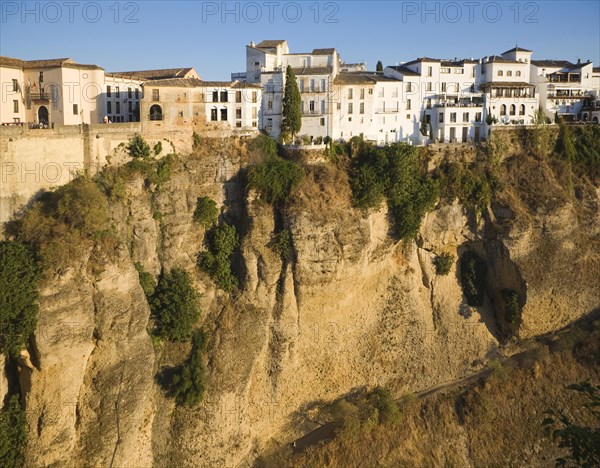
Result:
[{"x": 40, "y": 96}]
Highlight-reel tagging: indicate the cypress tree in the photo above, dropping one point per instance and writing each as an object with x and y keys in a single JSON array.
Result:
[
  {"x": 291, "y": 114},
  {"x": 380, "y": 66}
]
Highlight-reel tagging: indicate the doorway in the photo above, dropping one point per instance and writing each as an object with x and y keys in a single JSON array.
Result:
[{"x": 43, "y": 115}]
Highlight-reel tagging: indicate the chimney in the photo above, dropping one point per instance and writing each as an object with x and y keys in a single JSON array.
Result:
[
  {"x": 251, "y": 43},
  {"x": 578, "y": 61}
]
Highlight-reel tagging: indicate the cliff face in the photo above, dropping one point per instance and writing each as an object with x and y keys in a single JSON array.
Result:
[{"x": 352, "y": 308}]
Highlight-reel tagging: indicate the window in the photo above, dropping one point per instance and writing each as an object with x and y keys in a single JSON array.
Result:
[
  {"x": 323, "y": 85},
  {"x": 452, "y": 117},
  {"x": 444, "y": 70},
  {"x": 130, "y": 106},
  {"x": 465, "y": 116},
  {"x": 238, "y": 113},
  {"x": 75, "y": 109},
  {"x": 503, "y": 109},
  {"x": 137, "y": 93},
  {"x": 350, "y": 108},
  {"x": 409, "y": 87},
  {"x": 428, "y": 105},
  {"x": 322, "y": 107},
  {"x": 429, "y": 86},
  {"x": 180, "y": 113},
  {"x": 311, "y": 106},
  {"x": 257, "y": 64},
  {"x": 238, "y": 124},
  {"x": 117, "y": 92},
  {"x": 362, "y": 93},
  {"x": 362, "y": 108},
  {"x": 129, "y": 93},
  {"x": 429, "y": 71},
  {"x": 350, "y": 93},
  {"x": 312, "y": 85},
  {"x": 443, "y": 87},
  {"x": 255, "y": 123},
  {"x": 118, "y": 104},
  {"x": 109, "y": 107},
  {"x": 370, "y": 90},
  {"x": 254, "y": 96},
  {"x": 522, "y": 109},
  {"x": 223, "y": 114},
  {"x": 302, "y": 85},
  {"x": 408, "y": 104},
  {"x": 477, "y": 116},
  {"x": 155, "y": 112},
  {"x": 270, "y": 105},
  {"x": 15, "y": 106},
  {"x": 238, "y": 96},
  {"x": 518, "y": 73},
  {"x": 213, "y": 115},
  {"x": 513, "y": 109},
  {"x": 408, "y": 116},
  {"x": 108, "y": 91},
  {"x": 509, "y": 73},
  {"x": 224, "y": 97},
  {"x": 441, "y": 118},
  {"x": 155, "y": 95},
  {"x": 15, "y": 85},
  {"x": 473, "y": 72},
  {"x": 500, "y": 73},
  {"x": 254, "y": 113}
]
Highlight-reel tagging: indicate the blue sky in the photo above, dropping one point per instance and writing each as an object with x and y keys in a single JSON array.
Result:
[{"x": 211, "y": 36}]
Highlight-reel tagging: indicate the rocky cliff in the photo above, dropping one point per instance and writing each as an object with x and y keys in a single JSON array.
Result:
[{"x": 351, "y": 308}]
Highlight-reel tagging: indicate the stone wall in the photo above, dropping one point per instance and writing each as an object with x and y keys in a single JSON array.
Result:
[{"x": 32, "y": 160}]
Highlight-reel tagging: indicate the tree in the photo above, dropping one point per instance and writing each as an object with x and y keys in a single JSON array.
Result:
[
  {"x": 380, "y": 66},
  {"x": 216, "y": 261},
  {"x": 292, "y": 114},
  {"x": 174, "y": 305},
  {"x": 138, "y": 148},
  {"x": 189, "y": 384},
  {"x": 582, "y": 442},
  {"x": 19, "y": 276},
  {"x": 206, "y": 212}
]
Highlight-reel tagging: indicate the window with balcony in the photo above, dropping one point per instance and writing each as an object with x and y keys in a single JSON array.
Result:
[{"x": 155, "y": 95}]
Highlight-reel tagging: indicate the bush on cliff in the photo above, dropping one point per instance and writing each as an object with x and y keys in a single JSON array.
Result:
[
  {"x": 216, "y": 261},
  {"x": 472, "y": 273},
  {"x": 443, "y": 263},
  {"x": 275, "y": 178},
  {"x": 393, "y": 173},
  {"x": 138, "y": 148},
  {"x": 174, "y": 306},
  {"x": 19, "y": 276},
  {"x": 189, "y": 383},
  {"x": 512, "y": 309},
  {"x": 13, "y": 433},
  {"x": 206, "y": 212}
]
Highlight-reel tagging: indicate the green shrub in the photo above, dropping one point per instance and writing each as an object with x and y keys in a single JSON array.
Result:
[
  {"x": 206, "y": 212},
  {"x": 275, "y": 178},
  {"x": 472, "y": 273},
  {"x": 393, "y": 172},
  {"x": 580, "y": 145},
  {"x": 216, "y": 261},
  {"x": 19, "y": 276},
  {"x": 263, "y": 147},
  {"x": 147, "y": 281},
  {"x": 189, "y": 384},
  {"x": 281, "y": 244},
  {"x": 388, "y": 410},
  {"x": 196, "y": 141},
  {"x": 174, "y": 306},
  {"x": 13, "y": 433},
  {"x": 157, "y": 148},
  {"x": 138, "y": 148},
  {"x": 63, "y": 223},
  {"x": 512, "y": 310},
  {"x": 443, "y": 263}
]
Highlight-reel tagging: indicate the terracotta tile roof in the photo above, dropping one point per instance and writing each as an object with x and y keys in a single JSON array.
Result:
[
  {"x": 404, "y": 70},
  {"x": 551, "y": 63},
  {"x": 313, "y": 71},
  {"x": 364, "y": 78},
  {"x": 516, "y": 49},
  {"x": 10, "y": 62},
  {"x": 596, "y": 69},
  {"x": 47, "y": 63},
  {"x": 422, "y": 59},
  {"x": 196, "y": 83},
  {"x": 323, "y": 51},
  {"x": 162, "y": 74},
  {"x": 270, "y": 44},
  {"x": 499, "y": 59}
]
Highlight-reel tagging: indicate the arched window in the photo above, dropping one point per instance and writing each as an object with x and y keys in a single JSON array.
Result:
[
  {"x": 500, "y": 73},
  {"x": 503, "y": 109},
  {"x": 156, "y": 112},
  {"x": 522, "y": 109},
  {"x": 585, "y": 117},
  {"x": 595, "y": 119},
  {"x": 513, "y": 109},
  {"x": 518, "y": 73},
  {"x": 509, "y": 73}
]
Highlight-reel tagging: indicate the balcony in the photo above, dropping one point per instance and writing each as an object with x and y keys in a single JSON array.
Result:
[
  {"x": 37, "y": 97},
  {"x": 568, "y": 94},
  {"x": 315, "y": 90}
]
